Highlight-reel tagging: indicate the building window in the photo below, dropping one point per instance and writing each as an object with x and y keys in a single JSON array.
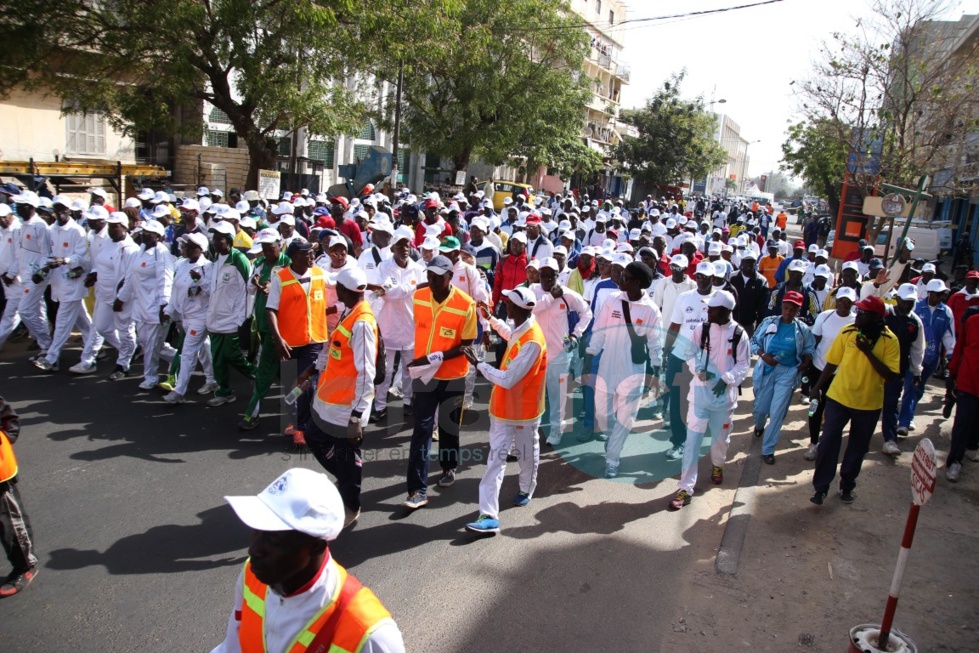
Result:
[
  {"x": 322, "y": 152},
  {"x": 367, "y": 133},
  {"x": 218, "y": 117},
  {"x": 217, "y": 138},
  {"x": 611, "y": 17},
  {"x": 85, "y": 133},
  {"x": 285, "y": 146},
  {"x": 598, "y": 6}
]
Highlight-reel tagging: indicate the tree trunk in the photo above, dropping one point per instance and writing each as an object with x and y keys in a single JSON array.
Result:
[
  {"x": 261, "y": 153},
  {"x": 460, "y": 162}
]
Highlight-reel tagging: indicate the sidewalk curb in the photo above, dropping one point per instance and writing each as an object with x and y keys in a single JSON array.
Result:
[{"x": 729, "y": 554}]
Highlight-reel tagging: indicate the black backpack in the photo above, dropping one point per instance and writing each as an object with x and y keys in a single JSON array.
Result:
[{"x": 735, "y": 341}]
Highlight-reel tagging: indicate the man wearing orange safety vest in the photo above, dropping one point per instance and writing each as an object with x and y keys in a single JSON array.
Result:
[
  {"x": 292, "y": 596},
  {"x": 15, "y": 527},
  {"x": 345, "y": 391},
  {"x": 445, "y": 323},
  {"x": 296, "y": 314},
  {"x": 515, "y": 408}
]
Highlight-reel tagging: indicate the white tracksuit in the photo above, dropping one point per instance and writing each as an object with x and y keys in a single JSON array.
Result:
[
  {"x": 69, "y": 242},
  {"x": 706, "y": 410},
  {"x": 395, "y": 321},
  {"x": 552, "y": 316},
  {"x": 96, "y": 241},
  {"x": 147, "y": 286},
  {"x": 504, "y": 435},
  {"x": 34, "y": 253},
  {"x": 110, "y": 265},
  {"x": 10, "y": 266},
  {"x": 189, "y": 307},
  {"x": 620, "y": 382}
]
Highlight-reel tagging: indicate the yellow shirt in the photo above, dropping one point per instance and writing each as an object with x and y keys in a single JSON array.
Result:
[{"x": 857, "y": 384}]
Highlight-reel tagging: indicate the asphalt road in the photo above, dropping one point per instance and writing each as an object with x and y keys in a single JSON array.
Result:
[{"x": 138, "y": 550}]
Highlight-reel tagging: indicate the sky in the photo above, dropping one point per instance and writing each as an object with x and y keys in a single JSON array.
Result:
[{"x": 749, "y": 56}]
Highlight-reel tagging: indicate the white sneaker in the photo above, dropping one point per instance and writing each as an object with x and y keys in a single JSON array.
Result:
[
  {"x": 147, "y": 385},
  {"x": 554, "y": 440},
  {"x": 82, "y": 368},
  {"x": 972, "y": 454},
  {"x": 812, "y": 452},
  {"x": 216, "y": 400},
  {"x": 891, "y": 448},
  {"x": 207, "y": 388},
  {"x": 953, "y": 472},
  {"x": 911, "y": 426},
  {"x": 174, "y": 398},
  {"x": 395, "y": 391}
]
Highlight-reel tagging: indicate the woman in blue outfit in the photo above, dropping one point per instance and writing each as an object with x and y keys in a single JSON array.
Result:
[{"x": 785, "y": 346}]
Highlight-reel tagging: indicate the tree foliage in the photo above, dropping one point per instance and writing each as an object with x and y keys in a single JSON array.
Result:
[
  {"x": 676, "y": 138},
  {"x": 813, "y": 153},
  {"x": 270, "y": 65},
  {"x": 506, "y": 84},
  {"x": 895, "y": 87}
]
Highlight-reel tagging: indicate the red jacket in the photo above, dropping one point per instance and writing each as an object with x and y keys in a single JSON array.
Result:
[
  {"x": 959, "y": 303},
  {"x": 964, "y": 365},
  {"x": 510, "y": 273}
]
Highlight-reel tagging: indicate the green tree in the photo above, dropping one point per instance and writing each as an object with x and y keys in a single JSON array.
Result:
[
  {"x": 813, "y": 151},
  {"x": 506, "y": 84},
  {"x": 676, "y": 138},
  {"x": 270, "y": 65}
]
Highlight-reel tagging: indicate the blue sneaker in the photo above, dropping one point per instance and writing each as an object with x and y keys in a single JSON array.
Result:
[
  {"x": 485, "y": 525},
  {"x": 521, "y": 500}
]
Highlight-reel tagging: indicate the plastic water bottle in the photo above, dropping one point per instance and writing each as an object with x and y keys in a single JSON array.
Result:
[
  {"x": 813, "y": 406},
  {"x": 293, "y": 396}
]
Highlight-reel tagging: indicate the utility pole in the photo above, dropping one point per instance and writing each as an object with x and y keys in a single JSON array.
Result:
[{"x": 396, "y": 138}]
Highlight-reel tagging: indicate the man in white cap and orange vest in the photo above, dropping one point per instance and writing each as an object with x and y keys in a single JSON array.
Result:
[
  {"x": 292, "y": 595},
  {"x": 515, "y": 407},
  {"x": 345, "y": 391},
  {"x": 445, "y": 323},
  {"x": 15, "y": 527}
]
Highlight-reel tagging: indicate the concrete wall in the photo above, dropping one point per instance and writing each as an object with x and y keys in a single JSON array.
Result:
[
  {"x": 33, "y": 127},
  {"x": 220, "y": 167}
]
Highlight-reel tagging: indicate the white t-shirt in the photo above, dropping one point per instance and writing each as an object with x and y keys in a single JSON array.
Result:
[
  {"x": 689, "y": 311},
  {"x": 827, "y": 326}
]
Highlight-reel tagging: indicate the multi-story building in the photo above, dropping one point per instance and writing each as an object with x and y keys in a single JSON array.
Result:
[{"x": 608, "y": 72}]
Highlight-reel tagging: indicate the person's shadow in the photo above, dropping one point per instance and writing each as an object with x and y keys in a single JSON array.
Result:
[{"x": 167, "y": 549}]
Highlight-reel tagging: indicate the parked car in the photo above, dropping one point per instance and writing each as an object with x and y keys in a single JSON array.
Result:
[{"x": 500, "y": 190}]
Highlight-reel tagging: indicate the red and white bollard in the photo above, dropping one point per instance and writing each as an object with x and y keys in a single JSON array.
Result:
[{"x": 871, "y": 638}]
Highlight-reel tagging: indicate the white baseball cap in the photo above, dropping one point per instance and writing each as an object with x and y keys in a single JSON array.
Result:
[
  {"x": 403, "y": 233},
  {"x": 353, "y": 278},
  {"x": 705, "y": 267},
  {"x": 146, "y": 194},
  {"x": 154, "y": 227},
  {"x": 822, "y": 254},
  {"x": 117, "y": 217},
  {"x": 822, "y": 271},
  {"x": 268, "y": 235},
  {"x": 430, "y": 243},
  {"x": 907, "y": 291},
  {"x": 288, "y": 219},
  {"x": 851, "y": 265},
  {"x": 679, "y": 261},
  {"x": 846, "y": 292},
  {"x": 223, "y": 228},
  {"x": 549, "y": 262},
  {"x": 161, "y": 211},
  {"x": 621, "y": 259},
  {"x": 814, "y": 248},
  {"x": 928, "y": 267},
  {"x": 248, "y": 222},
  {"x": 196, "y": 238},
  {"x": 797, "y": 265},
  {"x": 520, "y": 237},
  {"x": 714, "y": 248},
  {"x": 522, "y": 297},
  {"x": 336, "y": 240},
  {"x": 936, "y": 285},
  {"x": 723, "y": 299},
  {"x": 299, "y": 500},
  {"x": 96, "y": 212}
]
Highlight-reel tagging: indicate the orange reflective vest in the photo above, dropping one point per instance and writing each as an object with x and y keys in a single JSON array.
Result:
[
  {"x": 524, "y": 401},
  {"x": 8, "y": 462},
  {"x": 440, "y": 329},
  {"x": 338, "y": 631},
  {"x": 338, "y": 379},
  {"x": 301, "y": 314}
]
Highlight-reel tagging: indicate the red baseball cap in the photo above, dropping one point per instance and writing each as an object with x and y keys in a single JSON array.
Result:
[
  {"x": 342, "y": 201},
  {"x": 431, "y": 204},
  {"x": 799, "y": 244},
  {"x": 972, "y": 274},
  {"x": 872, "y": 304},
  {"x": 793, "y": 297},
  {"x": 533, "y": 218}
]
